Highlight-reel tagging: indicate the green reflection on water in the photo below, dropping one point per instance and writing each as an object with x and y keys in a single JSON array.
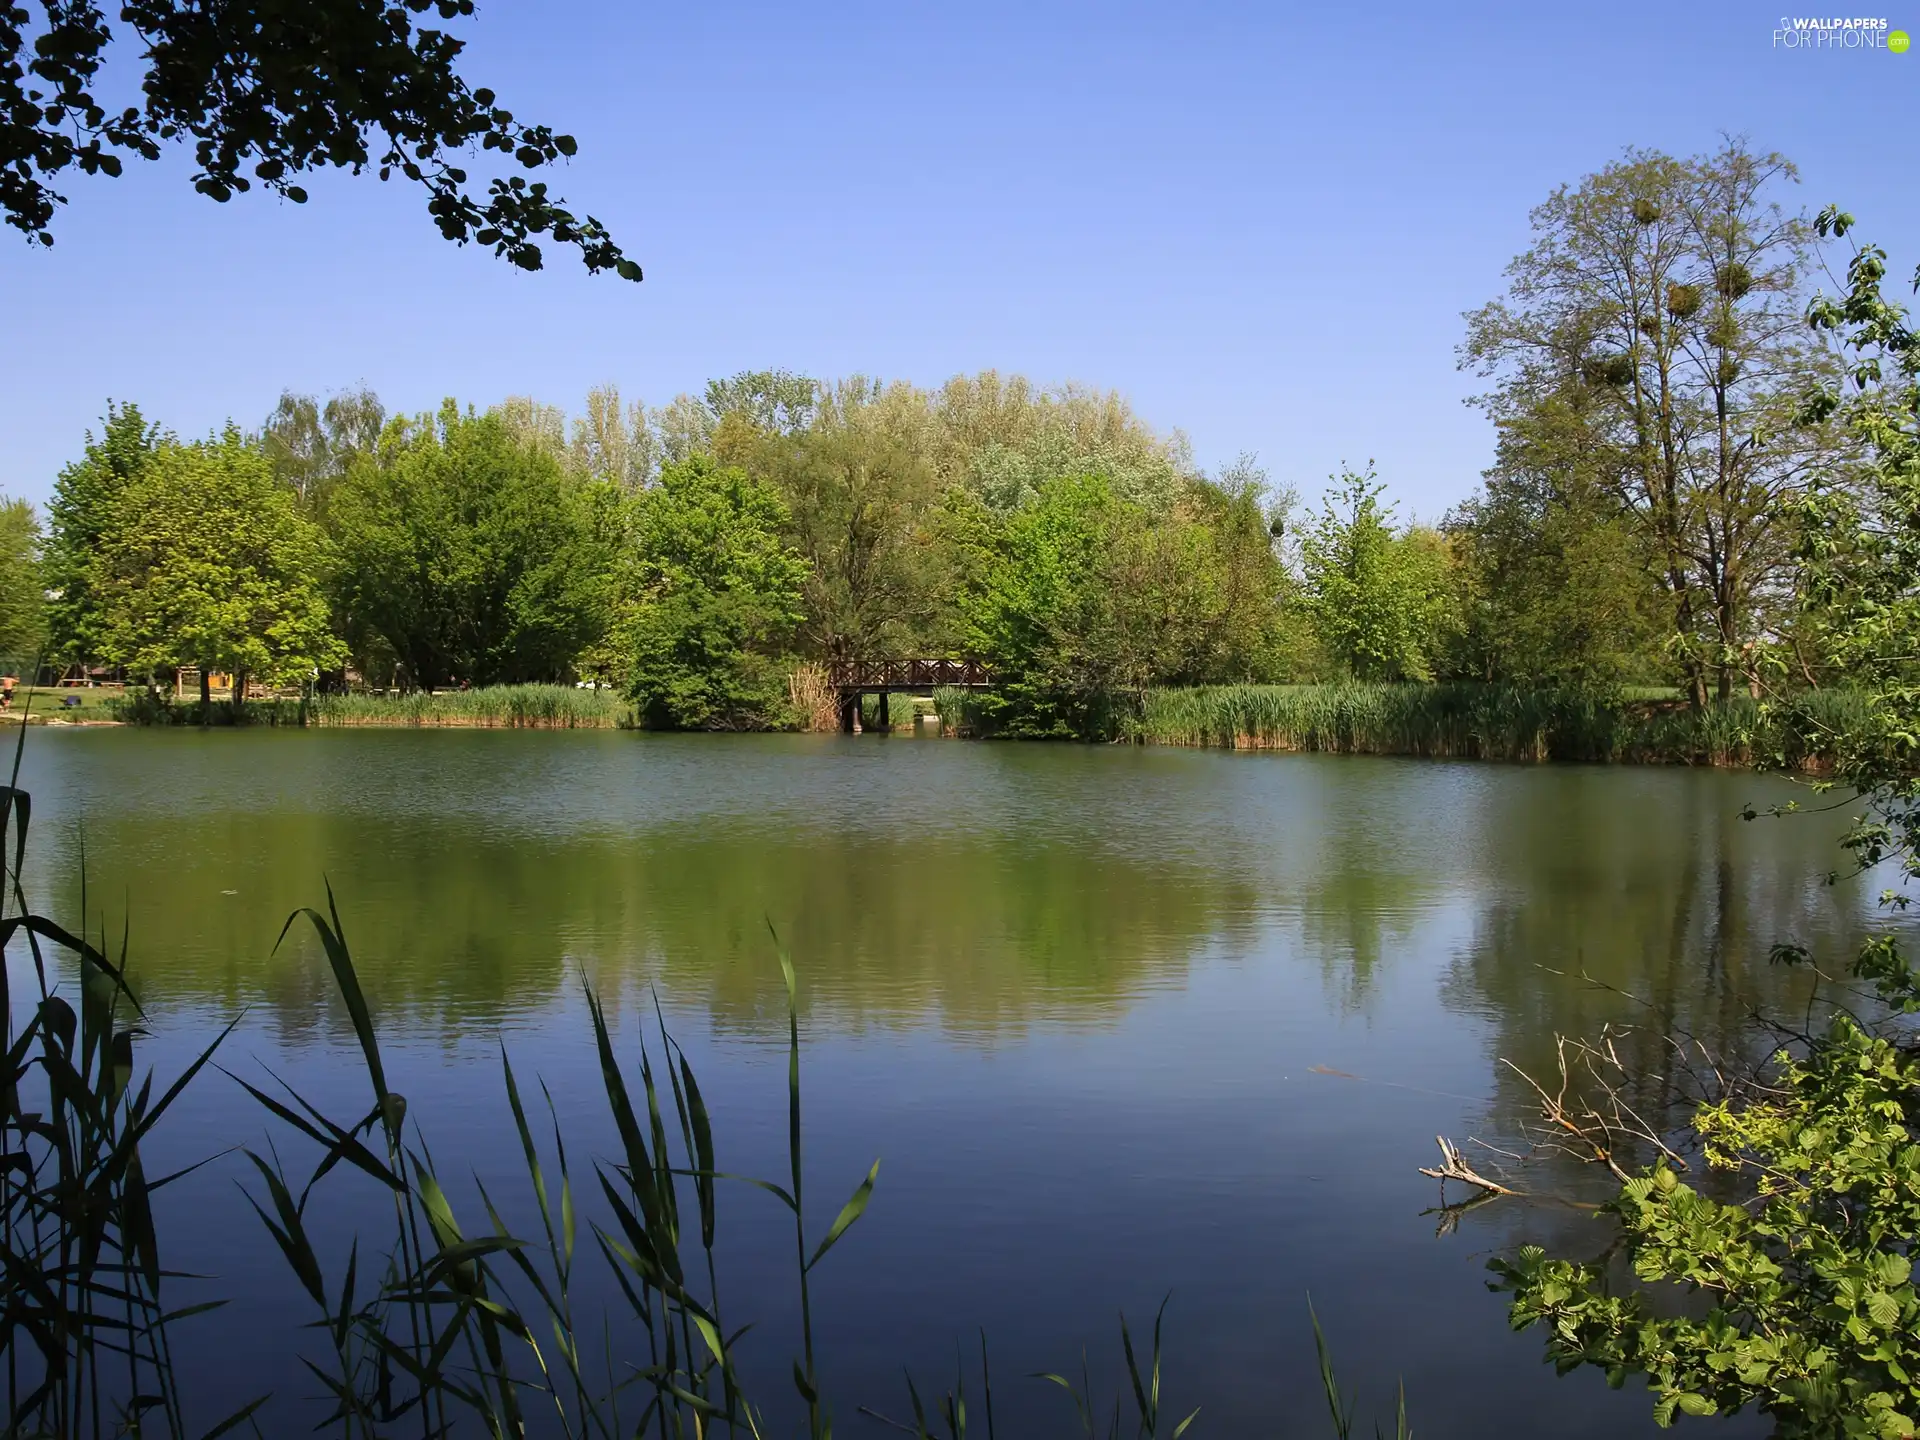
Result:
[{"x": 981, "y": 888}]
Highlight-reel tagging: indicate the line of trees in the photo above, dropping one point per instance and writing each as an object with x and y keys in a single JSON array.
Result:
[{"x": 1647, "y": 372}]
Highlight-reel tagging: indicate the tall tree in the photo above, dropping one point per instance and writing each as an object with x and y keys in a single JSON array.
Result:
[
  {"x": 1559, "y": 583},
  {"x": 613, "y": 443},
  {"x": 206, "y": 560},
  {"x": 1671, "y": 291},
  {"x": 23, "y": 620},
  {"x": 78, "y": 516},
  {"x": 466, "y": 553},
  {"x": 1002, "y": 437},
  {"x": 310, "y": 444},
  {"x": 1081, "y": 599},
  {"x": 267, "y": 93},
  {"x": 863, "y": 503},
  {"x": 711, "y": 627},
  {"x": 1379, "y": 596}
]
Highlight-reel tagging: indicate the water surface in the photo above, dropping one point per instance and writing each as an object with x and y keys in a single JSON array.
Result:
[{"x": 1082, "y": 1002}]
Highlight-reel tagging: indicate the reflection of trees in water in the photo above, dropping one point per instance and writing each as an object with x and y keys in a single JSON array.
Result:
[
  {"x": 1680, "y": 915},
  {"x": 458, "y": 931}
]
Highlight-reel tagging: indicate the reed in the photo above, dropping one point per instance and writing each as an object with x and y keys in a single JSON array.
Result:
[
  {"x": 958, "y": 709},
  {"x": 815, "y": 702},
  {"x": 1498, "y": 722},
  {"x": 505, "y": 707}
]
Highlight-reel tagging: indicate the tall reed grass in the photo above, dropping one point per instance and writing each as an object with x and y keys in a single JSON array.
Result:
[
  {"x": 958, "y": 709},
  {"x": 502, "y": 707},
  {"x": 507, "y": 707},
  {"x": 1495, "y": 722}
]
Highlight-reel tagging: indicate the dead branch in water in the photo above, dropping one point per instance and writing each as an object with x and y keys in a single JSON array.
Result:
[
  {"x": 1453, "y": 1166},
  {"x": 1587, "y": 1114}
]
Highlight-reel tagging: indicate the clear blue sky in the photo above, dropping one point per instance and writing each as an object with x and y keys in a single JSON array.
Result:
[{"x": 1260, "y": 222}]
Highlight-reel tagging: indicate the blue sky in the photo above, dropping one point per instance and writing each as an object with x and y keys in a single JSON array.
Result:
[{"x": 1260, "y": 222}]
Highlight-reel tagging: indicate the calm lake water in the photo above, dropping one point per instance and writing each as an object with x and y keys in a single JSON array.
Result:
[{"x": 1082, "y": 1003}]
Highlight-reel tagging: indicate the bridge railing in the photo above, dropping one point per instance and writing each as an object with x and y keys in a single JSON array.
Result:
[{"x": 907, "y": 674}]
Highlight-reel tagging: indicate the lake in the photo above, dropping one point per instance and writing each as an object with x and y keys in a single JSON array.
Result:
[{"x": 1118, "y": 1022}]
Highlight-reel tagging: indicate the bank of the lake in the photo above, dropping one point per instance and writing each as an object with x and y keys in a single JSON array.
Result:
[
  {"x": 1500, "y": 722},
  {"x": 1454, "y": 721}
]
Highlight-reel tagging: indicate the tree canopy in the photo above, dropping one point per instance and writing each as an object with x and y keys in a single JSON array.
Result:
[
  {"x": 204, "y": 560},
  {"x": 1650, "y": 351},
  {"x": 268, "y": 93},
  {"x": 466, "y": 553},
  {"x": 717, "y": 600},
  {"x": 23, "y": 620}
]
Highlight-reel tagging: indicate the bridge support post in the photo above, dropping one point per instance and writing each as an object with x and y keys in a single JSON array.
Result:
[
  {"x": 883, "y": 716},
  {"x": 849, "y": 713}
]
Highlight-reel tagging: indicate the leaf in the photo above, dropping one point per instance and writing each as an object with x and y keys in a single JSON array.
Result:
[{"x": 850, "y": 1212}]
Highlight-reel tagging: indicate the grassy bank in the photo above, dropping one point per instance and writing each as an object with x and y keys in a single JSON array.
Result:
[{"x": 1486, "y": 722}]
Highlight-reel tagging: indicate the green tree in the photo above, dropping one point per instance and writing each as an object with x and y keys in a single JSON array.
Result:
[
  {"x": 1082, "y": 599},
  {"x": 465, "y": 554},
  {"x": 84, "y": 495},
  {"x": 863, "y": 505},
  {"x": 268, "y": 93},
  {"x": 1667, "y": 295},
  {"x": 717, "y": 601},
  {"x": 206, "y": 560},
  {"x": 1799, "y": 1262},
  {"x": 1002, "y": 438},
  {"x": 1860, "y": 550},
  {"x": 23, "y": 620},
  {"x": 1559, "y": 583},
  {"x": 310, "y": 444},
  {"x": 1379, "y": 597}
]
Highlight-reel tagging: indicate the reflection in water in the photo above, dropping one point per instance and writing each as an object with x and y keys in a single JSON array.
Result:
[{"x": 1076, "y": 997}]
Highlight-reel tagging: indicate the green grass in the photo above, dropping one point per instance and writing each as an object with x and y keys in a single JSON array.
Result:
[
  {"x": 44, "y": 703},
  {"x": 1493, "y": 722}
]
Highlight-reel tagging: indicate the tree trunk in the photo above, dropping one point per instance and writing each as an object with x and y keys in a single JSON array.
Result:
[
  {"x": 206, "y": 694},
  {"x": 239, "y": 695}
]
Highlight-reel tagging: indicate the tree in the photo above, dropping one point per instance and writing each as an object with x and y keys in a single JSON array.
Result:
[
  {"x": 84, "y": 496},
  {"x": 1559, "y": 584},
  {"x": 23, "y": 621},
  {"x": 309, "y": 444},
  {"x": 206, "y": 560},
  {"x": 1378, "y": 597},
  {"x": 612, "y": 443},
  {"x": 269, "y": 93},
  {"x": 467, "y": 554},
  {"x": 1799, "y": 1266},
  {"x": 1082, "y": 599},
  {"x": 1003, "y": 437},
  {"x": 862, "y": 503},
  {"x": 1251, "y": 636},
  {"x": 1666, "y": 295},
  {"x": 1860, "y": 550},
  {"x": 711, "y": 626},
  {"x": 776, "y": 401}
]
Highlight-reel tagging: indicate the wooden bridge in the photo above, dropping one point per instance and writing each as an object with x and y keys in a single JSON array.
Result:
[{"x": 853, "y": 679}]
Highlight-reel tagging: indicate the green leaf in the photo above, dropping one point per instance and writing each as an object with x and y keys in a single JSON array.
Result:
[{"x": 850, "y": 1212}]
